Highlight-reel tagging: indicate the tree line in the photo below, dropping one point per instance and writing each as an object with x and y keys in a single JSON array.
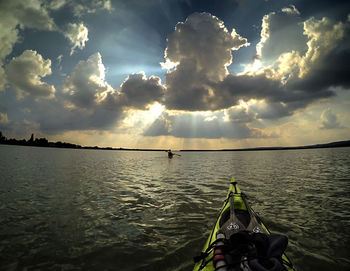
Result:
[{"x": 32, "y": 141}]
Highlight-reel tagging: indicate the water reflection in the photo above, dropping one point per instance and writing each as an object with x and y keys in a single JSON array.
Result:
[{"x": 93, "y": 210}]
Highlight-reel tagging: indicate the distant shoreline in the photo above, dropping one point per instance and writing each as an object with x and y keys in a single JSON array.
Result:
[
  {"x": 43, "y": 142},
  {"x": 337, "y": 144}
]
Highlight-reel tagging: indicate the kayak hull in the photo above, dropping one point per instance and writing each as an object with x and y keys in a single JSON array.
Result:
[{"x": 239, "y": 203}]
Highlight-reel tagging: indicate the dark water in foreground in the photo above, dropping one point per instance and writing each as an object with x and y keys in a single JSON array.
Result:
[{"x": 63, "y": 209}]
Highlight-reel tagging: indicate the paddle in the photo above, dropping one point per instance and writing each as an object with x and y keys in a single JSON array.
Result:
[{"x": 174, "y": 153}]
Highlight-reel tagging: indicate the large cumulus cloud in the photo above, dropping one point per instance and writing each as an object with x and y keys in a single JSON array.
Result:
[
  {"x": 86, "y": 85},
  {"x": 87, "y": 101},
  {"x": 201, "y": 48},
  {"x": 312, "y": 56},
  {"x": 15, "y": 15},
  {"x": 79, "y": 104},
  {"x": 24, "y": 74},
  {"x": 326, "y": 62}
]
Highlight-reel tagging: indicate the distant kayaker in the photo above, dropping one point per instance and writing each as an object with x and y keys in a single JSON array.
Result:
[{"x": 170, "y": 154}]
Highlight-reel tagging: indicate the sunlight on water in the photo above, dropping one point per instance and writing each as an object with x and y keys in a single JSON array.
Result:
[{"x": 98, "y": 210}]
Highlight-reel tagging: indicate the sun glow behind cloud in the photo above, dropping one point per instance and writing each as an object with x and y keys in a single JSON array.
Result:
[
  {"x": 298, "y": 62},
  {"x": 168, "y": 65},
  {"x": 142, "y": 118},
  {"x": 254, "y": 67}
]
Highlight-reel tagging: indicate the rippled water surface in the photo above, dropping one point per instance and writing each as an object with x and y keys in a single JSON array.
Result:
[{"x": 63, "y": 209}]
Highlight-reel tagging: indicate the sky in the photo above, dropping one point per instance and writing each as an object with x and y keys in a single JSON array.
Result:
[{"x": 179, "y": 74}]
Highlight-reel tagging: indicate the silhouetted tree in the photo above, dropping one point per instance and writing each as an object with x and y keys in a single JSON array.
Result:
[
  {"x": 2, "y": 138},
  {"x": 41, "y": 142},
  {"x": 31, "y": 140}
]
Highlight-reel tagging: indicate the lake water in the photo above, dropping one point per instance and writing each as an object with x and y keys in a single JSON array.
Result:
[{"x": 66, "y": 209}]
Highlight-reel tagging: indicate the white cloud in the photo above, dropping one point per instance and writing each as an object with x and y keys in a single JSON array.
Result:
[
  {"x": 22, "y": 14},
  {"x": 59, "y": 62},
  {"x": 291, "y": 10},
  {"x": 29, "y": 14},
  {"x": 329, "y": 120},
  {"x": 202, "y": 41},
  {"x": 8, "y": 35},
  {"x": 24, "y": 74},
  {"x": 77, "y": 35},
  {"x": 86, "y": 85}
]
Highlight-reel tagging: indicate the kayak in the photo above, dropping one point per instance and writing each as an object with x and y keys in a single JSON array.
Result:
[{"x": 241, "y": 241}]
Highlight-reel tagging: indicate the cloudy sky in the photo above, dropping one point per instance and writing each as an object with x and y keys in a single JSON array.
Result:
[{"x": 176, "y": 73}]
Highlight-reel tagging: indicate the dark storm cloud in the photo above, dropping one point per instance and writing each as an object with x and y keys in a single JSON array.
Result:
[
  {"x": 245, "y": 87},
  {"x": 333, "y": 71},
  {"x": 55, "y": 117},
  {"x": 304, "y": 75},
  {"x": 202, "y": 48},
  {"x": 324, "y": 65},
  {"x": 282, "y": 31},
  {"x": 241, "y": 115},
  {"x": 326, "y": 8},
  {"x": 273, "y": 110},
  {"x": 52, "y": 116},
  {"x": 159, "y": 127},
  {"x": 138, "y": 91}
]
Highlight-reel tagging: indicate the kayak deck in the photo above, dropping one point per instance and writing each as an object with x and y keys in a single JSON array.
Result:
[{"x": 244, "y": 218}]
